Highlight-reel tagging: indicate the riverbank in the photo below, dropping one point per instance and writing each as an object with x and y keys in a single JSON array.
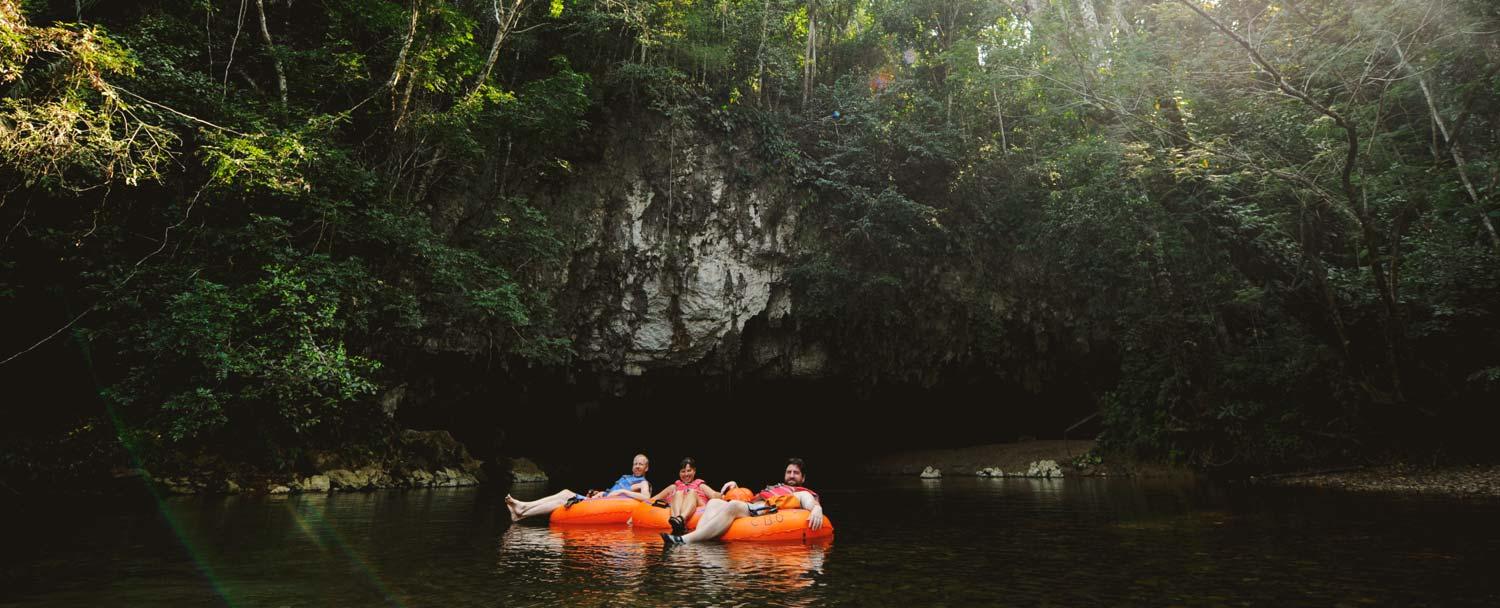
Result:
[
  {"x": 1400, "y": 478},
  {"x": 408, "y": 459},
  {"x": 1043, "y": 458}
]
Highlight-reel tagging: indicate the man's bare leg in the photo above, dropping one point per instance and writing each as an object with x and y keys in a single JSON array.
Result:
[
  {"x": 520, "y": 510},
  {"x": 717, "y": 516}
]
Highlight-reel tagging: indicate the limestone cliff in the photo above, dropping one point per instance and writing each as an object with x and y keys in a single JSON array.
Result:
[{"x": 680, "y": 246}]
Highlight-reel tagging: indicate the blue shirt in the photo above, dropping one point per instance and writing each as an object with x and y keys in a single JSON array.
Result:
[{"x": 625, "y": 482}]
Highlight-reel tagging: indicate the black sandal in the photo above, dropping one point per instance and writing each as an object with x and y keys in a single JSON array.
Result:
[
  {"x": 573, "y": 501},
  {"x": 679, "y": 527}
]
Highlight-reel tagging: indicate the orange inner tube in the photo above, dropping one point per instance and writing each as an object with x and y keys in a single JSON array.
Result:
[
  {"x": 596, "y": 511},
  {"x": 783, "y": 525},
  {"x": 651, "y": 517}
]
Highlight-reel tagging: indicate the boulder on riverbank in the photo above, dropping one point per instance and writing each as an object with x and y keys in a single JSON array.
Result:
[
  {"x": 364, "y": 478},
  {"x": 523, "y": 470},
  {"x": 1037, "y": 459},
  {"x": 1044, "y": 469},
  {"x": 1041, "y": 469},
  {"x": 931, "y": 473},
  {"x": 312, "y": 483}
]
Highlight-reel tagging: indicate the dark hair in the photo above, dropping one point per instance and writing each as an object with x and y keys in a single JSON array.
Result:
[
  {"x": 688, "y": 462},
  {"x": 801, "y": 466}
]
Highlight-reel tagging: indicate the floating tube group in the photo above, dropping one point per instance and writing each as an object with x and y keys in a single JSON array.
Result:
[{"x": 783, "y": 525}]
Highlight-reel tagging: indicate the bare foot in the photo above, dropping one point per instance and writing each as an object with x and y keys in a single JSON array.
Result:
[{"x": 512, "y": 505}]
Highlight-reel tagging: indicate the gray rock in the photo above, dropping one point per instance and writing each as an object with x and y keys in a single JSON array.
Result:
[
  {"x": 314, "y": 483},
  {"x": 990, "y": 472},
  {"x": 1045, "y": 469},
  {"x": 391, "y": 400},
  {"x": 523, "y": 470},
  {"x": 931, "y": 473},
  {"x": 346, "y": 481},
  {"x": 374, "y": 477},
  {"x": 682, "y": 255},
  {"x": 420, "y": 479},
  {"x": 278, "y": 489},
  {"x": 447, "y": 477},
  {"x": 431, "y": 450}
]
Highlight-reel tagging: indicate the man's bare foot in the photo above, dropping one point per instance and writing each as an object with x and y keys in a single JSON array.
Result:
[{"x": 512, "y": 505}]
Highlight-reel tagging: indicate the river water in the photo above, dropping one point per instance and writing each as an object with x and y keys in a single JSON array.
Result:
[{"x": 954, "y": 542}]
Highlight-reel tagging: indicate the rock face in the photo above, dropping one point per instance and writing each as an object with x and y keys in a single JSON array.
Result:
[
  {"x": 365, "y": 478},
  {"x": 523, "y": 470},
  {"x": 680, "y": 250},
  {"x": 428, "y": 450},
  {"x": 452, "y": 478}
]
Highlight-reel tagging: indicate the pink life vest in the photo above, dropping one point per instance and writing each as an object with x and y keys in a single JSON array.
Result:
[{"x": 695, "y": 486}]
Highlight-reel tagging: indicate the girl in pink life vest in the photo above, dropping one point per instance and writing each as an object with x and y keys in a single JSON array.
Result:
[{"x": 685, "y": 495}]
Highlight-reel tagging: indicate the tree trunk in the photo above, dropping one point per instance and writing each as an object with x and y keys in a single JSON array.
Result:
[
  {"x": 411, "y": 33},
  {"x": 810, "y": 54},
  {"x": 505, "y": 22},
  {"x": 1000, "y": 116},
  {"x": 1450, "y": 141},
  {"x": 760, "y": 53},
  {"x": 1091, "y": 26},
  {"x": 265, "y": 34},
  {"x": 1117, "y": 17}
]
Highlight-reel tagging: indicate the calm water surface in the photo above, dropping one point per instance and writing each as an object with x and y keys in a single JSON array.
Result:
[{"x": 955, "y": 542}]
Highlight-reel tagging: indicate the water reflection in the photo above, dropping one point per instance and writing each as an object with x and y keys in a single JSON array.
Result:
[
  {"x": 612, "y": 552},
  {"x": 748, "y": 570},
  {"x": 611, "y": 565},
  {"x": 959, "y": 542}
]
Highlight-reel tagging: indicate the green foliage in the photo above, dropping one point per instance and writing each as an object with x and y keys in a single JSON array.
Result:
[
  {"x": 269, "y": 355},
  {"x": 62, "y": 124},
  {"x": 296, "y": 249},
  {"x": 978, "y": 190}
]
